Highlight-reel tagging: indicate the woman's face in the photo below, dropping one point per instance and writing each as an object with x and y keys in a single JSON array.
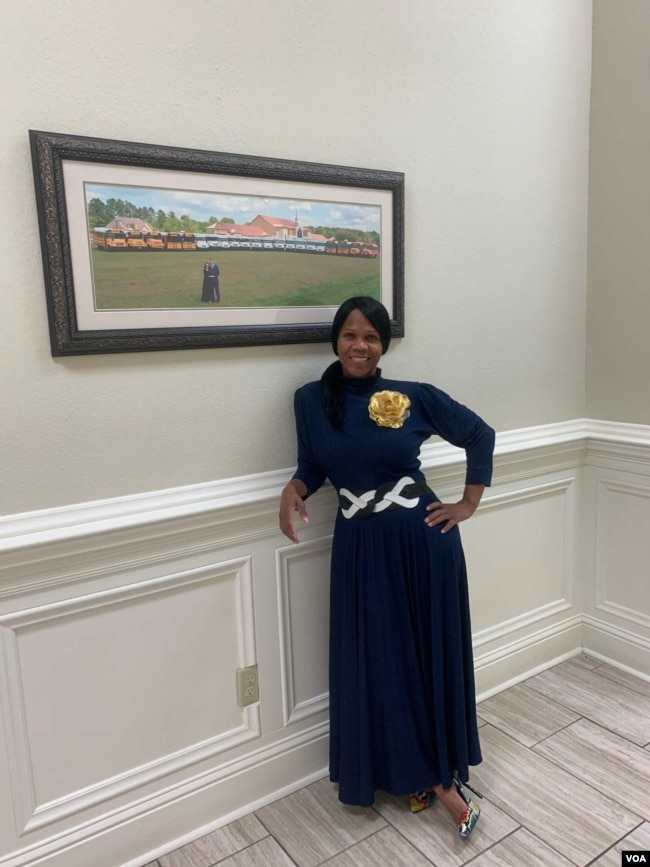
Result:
[{"x": 358, "y": 346}]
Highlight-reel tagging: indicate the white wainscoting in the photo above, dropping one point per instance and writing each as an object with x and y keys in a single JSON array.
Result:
[
  {"x": 122, "y": 624},
  {"x": 303, "y": 606},
  {"x": 616, "y": 544}
]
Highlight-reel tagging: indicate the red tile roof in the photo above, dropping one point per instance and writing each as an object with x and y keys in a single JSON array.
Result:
[
  {"x": 278, "y": 222},
  {"x": 236, "y": 229}
]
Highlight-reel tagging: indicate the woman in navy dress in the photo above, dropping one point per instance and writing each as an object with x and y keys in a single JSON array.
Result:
[{"x": 402, "y": 699}]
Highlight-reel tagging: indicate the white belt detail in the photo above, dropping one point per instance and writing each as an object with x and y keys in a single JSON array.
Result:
[{"x": 393, "y": 496}]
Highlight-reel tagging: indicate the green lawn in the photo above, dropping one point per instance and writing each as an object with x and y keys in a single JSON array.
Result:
[{"x": 248, "y": 279}]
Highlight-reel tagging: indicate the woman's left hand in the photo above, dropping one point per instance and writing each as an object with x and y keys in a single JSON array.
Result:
[
  {"x": 449, "y": 514},
  {"x": 454, "y": 513}
]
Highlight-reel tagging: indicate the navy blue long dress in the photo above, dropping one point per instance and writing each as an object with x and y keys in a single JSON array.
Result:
[{"x": 402, "y": 699}]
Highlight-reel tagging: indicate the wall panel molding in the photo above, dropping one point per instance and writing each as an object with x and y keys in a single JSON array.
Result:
[
  {"x": 288, "y": 560},
  {"x": 605, "y": 559},
  {"x": 30, "y": 813},
  {"x": 59, "y": 566},
  {"x": 566, "y": 487}
]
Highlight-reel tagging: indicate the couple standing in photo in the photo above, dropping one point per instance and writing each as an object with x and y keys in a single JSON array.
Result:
[{"x": 211, "y": 293}]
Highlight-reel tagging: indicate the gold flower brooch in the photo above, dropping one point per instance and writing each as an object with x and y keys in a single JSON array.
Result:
[{"x": 389, "y": 408}]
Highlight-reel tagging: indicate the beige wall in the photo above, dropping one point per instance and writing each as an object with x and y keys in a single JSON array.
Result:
[
  {"x": 483, "y": 106},
  {"x": 618, "y": 320}
]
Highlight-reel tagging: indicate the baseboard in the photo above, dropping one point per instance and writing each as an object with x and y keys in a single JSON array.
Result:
[
  {"x": 617, "y": 645},
  {"x": 187, "y": 812},
  {"x": 518, "y": 660}
]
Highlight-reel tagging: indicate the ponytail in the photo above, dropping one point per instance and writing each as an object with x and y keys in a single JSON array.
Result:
[{"x": 332, "y": 385}]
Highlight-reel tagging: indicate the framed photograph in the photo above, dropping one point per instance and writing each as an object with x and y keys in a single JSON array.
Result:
[{"x": 148, "y": 247}]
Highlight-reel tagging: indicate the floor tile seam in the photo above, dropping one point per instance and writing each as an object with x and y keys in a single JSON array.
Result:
[
  {"x": 615, "y": 843},
  {"x": 564, "y": 728},
  {"x": 557, "y": 701},
  {"x": 598, "y": 662},
  {"x": 541, "y": 740},
  {"x": 234, "y": 854},
  {"x": 269, "y": 834},
  {"x": 504, "y": 806},
  {"x": 557, "y": 732},
  {"x": 604, "y": 728},
  {"x": 330, "y": 858},
  {"x": 492, "y": 845},
  {"x": 256, "y": 813},
  {"x": 335, "y": 854},
  {"x": 550, "y": 845},
  {"x": 411, "y": 842},
  {"x": 622, "y": 672},
  {"x": 560, "y": 705},
  {"x": 275, "y": 839},
  {"x": 577, "y": 665},
  {"x": 585, "y": 715},
  {"x": 620, "y": 683},
  {"x": 250, "y": 845},
  {"x": 532, "y": 834},
  {"x": 637, "y": 692},
  {"x": 613, "y": 732},
  {"x": 591, "y": 785}
]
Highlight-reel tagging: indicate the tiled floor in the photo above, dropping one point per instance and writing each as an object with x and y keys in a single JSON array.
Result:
[{"x": 566, "y": 779}]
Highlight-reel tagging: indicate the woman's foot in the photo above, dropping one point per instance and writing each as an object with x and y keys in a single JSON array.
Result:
[
  {"x": 421, "y": 800},
  {"x": 452, "y": 801},
  {"x": 462, "y": 809}
]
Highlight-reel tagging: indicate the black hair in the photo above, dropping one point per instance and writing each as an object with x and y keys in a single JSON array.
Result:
[{"x": 332, "y": 378}]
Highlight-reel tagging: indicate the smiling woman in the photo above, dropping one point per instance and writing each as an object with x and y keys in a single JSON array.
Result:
[
  {"x": 402, "y": 700},
  {"x": 359, "y": 346}
]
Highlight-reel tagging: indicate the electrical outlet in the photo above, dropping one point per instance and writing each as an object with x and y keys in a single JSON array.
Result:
[{"x": 248, "y": 690}]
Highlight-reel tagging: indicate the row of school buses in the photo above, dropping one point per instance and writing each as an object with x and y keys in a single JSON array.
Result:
[{"x": 114, "y": 240}]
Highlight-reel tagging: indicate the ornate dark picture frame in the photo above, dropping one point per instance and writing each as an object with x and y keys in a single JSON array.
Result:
[{"x": 67, "y": 167}]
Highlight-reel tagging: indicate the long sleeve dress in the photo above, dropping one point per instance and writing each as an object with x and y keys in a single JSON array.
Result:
[{"x": 402, "y": 697}]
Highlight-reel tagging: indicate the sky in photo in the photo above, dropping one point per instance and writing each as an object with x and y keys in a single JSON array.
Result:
[{"x": 242, "y": 209}]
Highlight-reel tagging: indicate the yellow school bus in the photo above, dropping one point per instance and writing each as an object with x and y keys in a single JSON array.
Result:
[
  {"x": 135, "y": 240},
  {"x": 189, "y": 241},
  {"x": 174, "y": 241},
  {"x": 154, "y": 241},
  {"x": 109, "y": 239}
]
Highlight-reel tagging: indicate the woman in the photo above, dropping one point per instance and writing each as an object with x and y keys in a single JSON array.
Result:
[
  {"x": 402, "y": 700},
  {"x": 207, "y": 294}
]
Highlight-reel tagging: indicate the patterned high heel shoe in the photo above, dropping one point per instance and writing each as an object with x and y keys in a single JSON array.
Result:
[
  {"x": 468, "y": 820},
  {"x": 421, "y": 800}
]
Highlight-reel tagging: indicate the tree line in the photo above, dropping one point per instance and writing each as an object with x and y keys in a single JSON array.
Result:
[
  {"x": 346, "y": 234},
  {"x": 102, "y": 213}
]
